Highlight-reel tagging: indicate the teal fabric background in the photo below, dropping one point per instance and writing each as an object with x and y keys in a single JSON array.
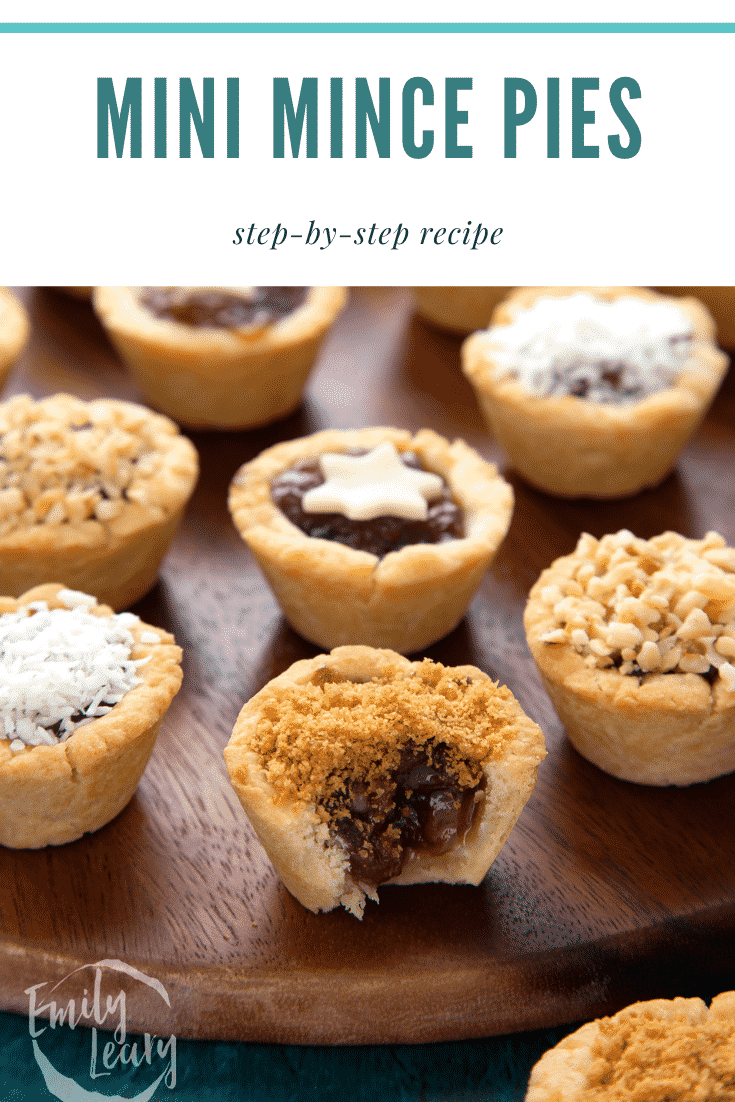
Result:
[{"x": 491, "y": 1070}]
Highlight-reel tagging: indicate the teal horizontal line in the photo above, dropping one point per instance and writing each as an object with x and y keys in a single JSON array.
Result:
[{"x": 367, "y": 28}]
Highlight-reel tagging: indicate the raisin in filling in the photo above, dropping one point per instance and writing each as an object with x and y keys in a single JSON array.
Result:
[
  {"x": 422, "y": 808},
  {"x": 609, "y": 382},
  {"x": 378, "y": 536},
  {"x": 205, "y": 309}
]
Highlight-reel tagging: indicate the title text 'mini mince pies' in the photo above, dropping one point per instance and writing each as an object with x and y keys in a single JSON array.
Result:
[
  {"x": 220, "y": 357},
  {"x": 665, "y": 1050},
  {"x": 372, "y": 535},
  {"x": 635, "y": 643},
  {"x": 593, "y": 392},
  {"x": 360, "y": 768},
  {"x": 91, "y": 493},
  {"x": 82, "y": 694},
  {"x": 14, "y": 330}
]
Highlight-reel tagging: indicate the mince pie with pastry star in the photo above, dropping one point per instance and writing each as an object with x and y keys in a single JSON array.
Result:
[{"x": 373, "y": 535}]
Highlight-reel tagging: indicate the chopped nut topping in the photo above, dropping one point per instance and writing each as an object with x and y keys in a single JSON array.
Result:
[
  {"x": 644, "y": 1055},
  {"x": 315, "y": 739},
  {"x": 665, "y": 605},
  {"x": 64, "y": 461}
]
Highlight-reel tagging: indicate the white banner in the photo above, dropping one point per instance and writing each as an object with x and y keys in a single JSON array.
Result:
[{"x": 408, "y": 157}]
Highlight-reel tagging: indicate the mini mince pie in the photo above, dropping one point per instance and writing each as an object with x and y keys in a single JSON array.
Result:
[
  {"x": 82, "y": 694},
  {"x": 14, "y": 330},
  {"x": 635, "y": 643},
  {"x": 220, "y": 357},
  {"x": 360, "y": 768},
  {"x": 91, "y": 493},
  {"x": 664, "y": 1050},
  {"x": 593, "y": 392},
  {"x": 458, "y": 309},
  {"x": 371, "y": 535}
]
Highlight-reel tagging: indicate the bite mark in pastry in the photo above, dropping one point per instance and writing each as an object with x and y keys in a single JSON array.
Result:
[{"x": 360, "y": 768}]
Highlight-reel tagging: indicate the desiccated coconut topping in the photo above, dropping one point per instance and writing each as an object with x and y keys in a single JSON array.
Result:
[
  {"x": 664, "y": 605},
  {"x": 61, "y": 668},
  {"x": 618, "y": 351},
  {"x": 64, "y": 461}
]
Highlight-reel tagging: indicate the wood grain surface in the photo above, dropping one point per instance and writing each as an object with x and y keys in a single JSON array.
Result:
[{"x": 605, "y": 893}]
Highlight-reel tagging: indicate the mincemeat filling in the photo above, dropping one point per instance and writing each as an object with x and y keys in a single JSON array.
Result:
[
  {"x": 422, "y": 808},
  {"x": 212, "y": 309},
  {"x": 379, "y": 536},
  {"x": 606, "y": 381}
]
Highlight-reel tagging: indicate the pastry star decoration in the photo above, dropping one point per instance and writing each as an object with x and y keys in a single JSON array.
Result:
[{"x": 379, "y": 484}]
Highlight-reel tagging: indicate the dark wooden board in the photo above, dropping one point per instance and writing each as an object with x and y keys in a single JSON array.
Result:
[{"x": 605, "y": 892}]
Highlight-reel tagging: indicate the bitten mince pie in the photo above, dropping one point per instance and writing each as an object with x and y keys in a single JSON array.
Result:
[
  {"x": 90, "y": 492},
  {"x": 82, "y": 694},
  {"x": 458, "y": 309},
  {"x": 593, "y": 392},
  {"x": 220, "y": 357},
  {"x": 360, "y": 768},
  {"x": 635, "y": 643},
  {"x": 664, "y": 1050},
  {"x": 372, "y": 535},
  {"x": 14, "y": 330}
]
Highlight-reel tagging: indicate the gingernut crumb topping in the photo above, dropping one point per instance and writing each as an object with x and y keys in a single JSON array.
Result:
[
  {"x": 65, "y": 461},
  {"x": 644, "y": 1055},
  {"x": 314, "y": 740},
  {"x": 664, "y": 605}
]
